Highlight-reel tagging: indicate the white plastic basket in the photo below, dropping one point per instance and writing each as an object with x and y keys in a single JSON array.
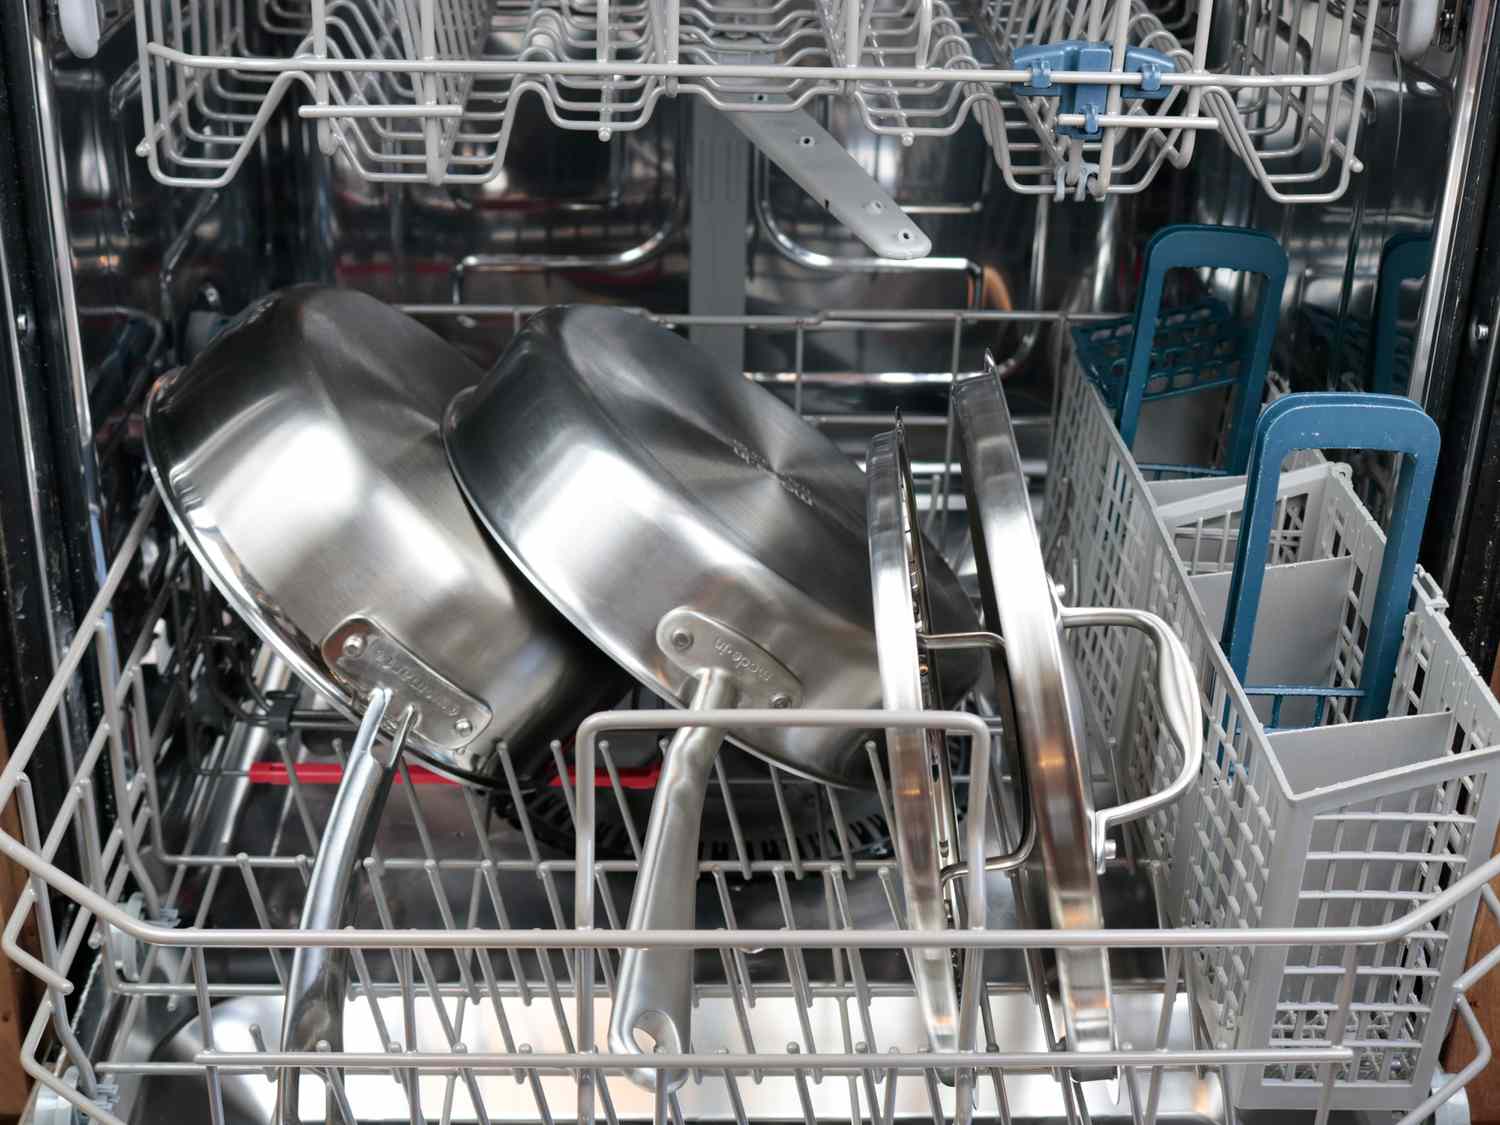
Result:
[{"x": 1345, "y": 823}]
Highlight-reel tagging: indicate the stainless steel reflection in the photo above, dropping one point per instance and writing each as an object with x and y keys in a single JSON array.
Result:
[
  {"x": 300, "y": 456},
  {"x": 1457, "y": 196},
  {"x": 706, "y": 536},
  {"x": 922, "y": 804}
]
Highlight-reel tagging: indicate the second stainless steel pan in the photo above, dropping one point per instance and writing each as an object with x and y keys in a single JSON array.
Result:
[{"x": 707, "y": 537}]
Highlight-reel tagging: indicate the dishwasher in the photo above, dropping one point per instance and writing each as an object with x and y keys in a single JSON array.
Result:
[{"x": 1163, "y": 333}]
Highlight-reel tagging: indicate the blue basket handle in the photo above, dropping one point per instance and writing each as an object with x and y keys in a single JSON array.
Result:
[
  {"x": 1194, "y": 246},
  {"x": 1406, "y": 257},
  {"x": 1337, "y": 420}
]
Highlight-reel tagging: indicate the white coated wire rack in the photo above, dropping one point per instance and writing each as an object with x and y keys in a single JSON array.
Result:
[
  {"x": 483, "y": 959},
  {"x": 1077, "y": 98}
]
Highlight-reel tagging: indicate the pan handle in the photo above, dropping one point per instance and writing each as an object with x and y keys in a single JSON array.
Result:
[
  {"x": 655, "y": 992},
  {"x": 1177, "y": 687},
  {"x": 314, "y": 1009}
]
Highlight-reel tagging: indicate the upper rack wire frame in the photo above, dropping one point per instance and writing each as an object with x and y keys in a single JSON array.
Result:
[{"x": 427, "y": 90}]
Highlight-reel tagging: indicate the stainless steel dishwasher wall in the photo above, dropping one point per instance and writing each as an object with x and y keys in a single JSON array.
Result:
[{"x": 150, "y": 271}]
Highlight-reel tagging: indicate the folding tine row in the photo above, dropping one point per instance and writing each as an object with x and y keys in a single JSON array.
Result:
[{"x": 1077, "y": 98}]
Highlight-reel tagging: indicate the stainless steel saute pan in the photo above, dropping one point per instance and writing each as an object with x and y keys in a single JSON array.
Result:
[
  {"x": 707, "y": 537},
  {"x": 301, "y": 458}
]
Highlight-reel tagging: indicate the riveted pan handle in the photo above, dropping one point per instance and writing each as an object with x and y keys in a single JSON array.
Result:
[
  {"x": 319, "y": 983},
  {"x": 1177, "y": 688},
  {"x": 656, "y": 985}
]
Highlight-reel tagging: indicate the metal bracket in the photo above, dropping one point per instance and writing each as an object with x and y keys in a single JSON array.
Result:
[
  {"x": 697, "y": 643},
  {"x": 124, "y": 949},
  {"x": 823, "y": 168},
  {"x": 362, "y": 656}
]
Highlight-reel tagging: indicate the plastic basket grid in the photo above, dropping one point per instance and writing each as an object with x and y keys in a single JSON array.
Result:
[
  {"x": 1370, "y": 859},
  {"x": 1225, "y": 852},
  {"x": 1205, "y": 534},
  {"x": 1363, "y": 853},
  {"x": 1196, "y": 346},
  {"x": 1207, "y": 543},
  {"x": 1367, "y": 862}
]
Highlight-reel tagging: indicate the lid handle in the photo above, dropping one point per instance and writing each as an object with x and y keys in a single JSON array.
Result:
[{"x": 1181, "y": 708}]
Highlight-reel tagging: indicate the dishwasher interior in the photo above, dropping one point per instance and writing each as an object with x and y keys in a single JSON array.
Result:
[{"x": 471, "y": 162}]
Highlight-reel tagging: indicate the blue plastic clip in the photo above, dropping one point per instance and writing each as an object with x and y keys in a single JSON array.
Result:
[{"x": 1089, "y": 99}]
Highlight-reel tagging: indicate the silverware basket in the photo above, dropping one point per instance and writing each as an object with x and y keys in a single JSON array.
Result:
[{"x": 1342, "y": 823}]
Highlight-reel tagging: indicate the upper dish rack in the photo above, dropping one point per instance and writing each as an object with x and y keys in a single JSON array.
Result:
[{"x": 1077, "y": 98}]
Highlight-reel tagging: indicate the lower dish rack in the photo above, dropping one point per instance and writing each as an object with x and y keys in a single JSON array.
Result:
[{"x": 484, "y": 956}]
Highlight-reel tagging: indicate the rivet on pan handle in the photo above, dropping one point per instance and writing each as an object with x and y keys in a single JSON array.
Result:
[{"x": 364, "y": 656}]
